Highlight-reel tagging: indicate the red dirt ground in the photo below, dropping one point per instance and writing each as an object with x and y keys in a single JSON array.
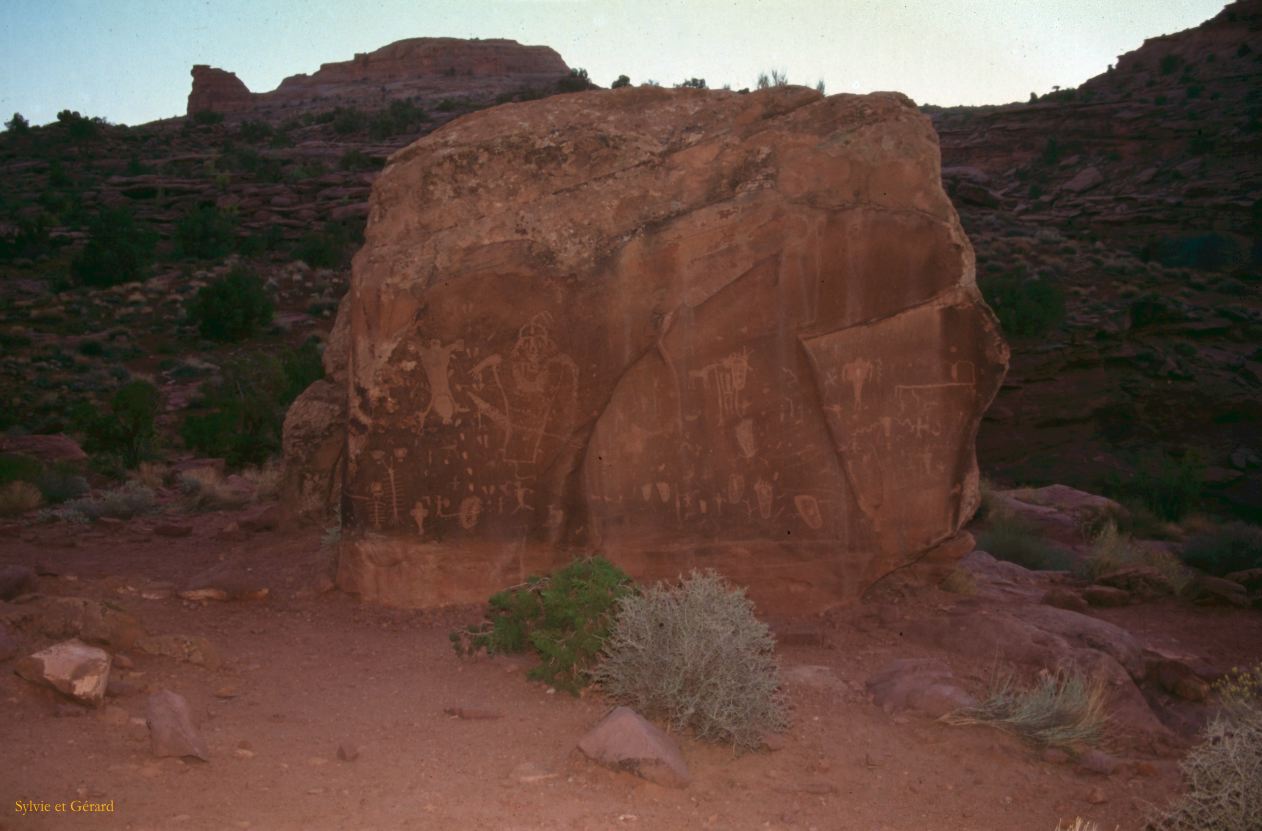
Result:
[{"x": 305, "y": 672}]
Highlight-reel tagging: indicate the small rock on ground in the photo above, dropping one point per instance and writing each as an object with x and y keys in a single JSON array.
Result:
[
  {"x": 625, "y": 740},
  {"x": 171, "y": 729},
  {"x": 72, "y": 667}
]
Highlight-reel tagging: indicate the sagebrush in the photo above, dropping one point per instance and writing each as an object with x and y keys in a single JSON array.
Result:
[
  {"x": 695, "y": 655},
  {"x": 564, "y": 618}
]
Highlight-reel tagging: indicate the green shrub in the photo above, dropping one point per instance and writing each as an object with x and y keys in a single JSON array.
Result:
[
  {"x": 1017, "y": 540},
  {"x": 1234, "y": 546},
  {"x": 695, "y": 655},
  {"x": 692, "y": 83},
  {"x": 330, "y": 247},
  {"x": 1170, "y": 486},
  {"x": 576, "y": 81},
  {"x": 620, "y": 82},
  {"x": 119, "y": 250},
  {"x": 358, "y": 160},
  {"x": 206, "y": 233},
  {"x": 15, "y": 467},
  {"x": 127, "y": 427},
  {"x": 564, "y": 618},
  {"x": 78, "y": 127},
  {"x": 1170, "y": 64},
  {"x": 1061, "y": 710},
  {"x": 1026, "y": 306},
  {"x": 240, "y": 417},
  {"x": 17, "y": 125},
  {"x": 348, "y": 120},
  {"x": 61, "y": 483},
  {"x": 254, "y": 131},
  {"x": 233, "y": 307},
  {"x": 1206, "y": 252},
  {"x": 206, "y": 118}
]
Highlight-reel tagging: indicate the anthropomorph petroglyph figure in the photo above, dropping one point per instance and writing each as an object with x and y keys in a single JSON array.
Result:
[
  {"x": 436, "y": 361},
  {"x": 536, "y": 400}
]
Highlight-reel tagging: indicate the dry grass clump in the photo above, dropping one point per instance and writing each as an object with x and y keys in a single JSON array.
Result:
[
  {"x": 1112, "y": 550},
  {"x": 266, "y": 479},
  {"x": 124, "y": 502},
  {"x": 696, "y": 655},
  {"x": 18, "y": 497},
  {"x": 959, "y": 581},
  {"x": 1079, "y": 824},
  {"x": 150, "y": 474},
  {"x": 1062, "y": 709},
  {"x": 205, "y": 489}
]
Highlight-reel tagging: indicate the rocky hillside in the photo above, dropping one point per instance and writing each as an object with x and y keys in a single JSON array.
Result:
[
  {"x": 277, "y": 183},
  {"x": 1118, "y": 228},
  {"x": 419, "y": 70}
]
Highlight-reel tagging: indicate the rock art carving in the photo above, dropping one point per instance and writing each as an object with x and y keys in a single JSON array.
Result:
[{"x": 682, "y": 328}]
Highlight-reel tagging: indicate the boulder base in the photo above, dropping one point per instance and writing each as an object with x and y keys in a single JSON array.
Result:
[{"x": 683, "y": 328}]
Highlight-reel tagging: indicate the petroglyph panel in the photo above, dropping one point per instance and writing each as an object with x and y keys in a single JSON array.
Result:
[{"x": 714, "y": 330}]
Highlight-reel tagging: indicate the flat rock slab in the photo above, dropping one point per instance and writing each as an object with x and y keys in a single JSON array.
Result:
[
  {"x": 72, "y": 667},
  {"x": 192, "y": 648},
  {"x": 625, "y": 740},
  {"x": 171, "y": 728},
  {"x": 923, "y": 685}
]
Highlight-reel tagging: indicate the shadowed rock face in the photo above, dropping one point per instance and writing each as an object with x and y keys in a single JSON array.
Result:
[{"x": 683, "y": 328}]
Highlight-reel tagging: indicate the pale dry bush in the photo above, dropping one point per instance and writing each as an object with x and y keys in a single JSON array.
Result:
[
  {"x": 1223, "y": 775},
  {"x": 150, "y": 474},
  {"x": 266, "y": 479},
  {"x": 123, "y": 502},
  {"x": 204, "y": 489},
  {"x": 695, "y": 655}
]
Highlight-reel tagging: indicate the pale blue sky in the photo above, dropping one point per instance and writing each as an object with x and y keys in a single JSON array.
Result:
[{"x": 129, "y": 60}]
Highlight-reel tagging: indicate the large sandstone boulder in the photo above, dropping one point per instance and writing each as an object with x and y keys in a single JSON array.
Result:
[
  {"x": 683, "y": 328},
  {"x": 216, "y": 90}
]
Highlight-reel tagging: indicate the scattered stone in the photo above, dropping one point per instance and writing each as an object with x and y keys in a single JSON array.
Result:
[
  {"x": 231, "y": 532},
  {"x": 72, "y": 667},
  {"x": 1096, "y": 796},
  {"x": 48, "y": 449},
  {"x": 123, "y": 661},
  {"x": 1176, "y": 676},
  {"x": 263, "y": 519},
  {"x": 192, "y": 648},
  {"x": 625, "y": 741},
  {"x": 76, "y": 617},
  {"x": 9, "y": 647},
  {"x": 171, "y": 729},
  {"x": 1097, "y": 761},
  {"x": 65, "y": 709},
  {"x": 16, "y": 580},
  {"x": 1106, "y": 596},
  {"x": 1085, "y": 180},
  {"x": 347, "y": 752},
  {"x": 1204, "y": 590},
  {"x": 923, "y": 685},
  {"x": 114, "y": 715},
  {"x": 228, "y": 691},
  {"x": 1250, "y": 578},
  {"x": 473, "y": 713},
  {"x": 120, "y": 688},
  {"x": 1063, "y": 598},
  {"x": 1055, "y": 756},
  {"x": 226, "y": 581},
  {"x": 1140, "y": 581},
  {"x": 173, "y": 529},
  {"x": 774, "y": 742}
]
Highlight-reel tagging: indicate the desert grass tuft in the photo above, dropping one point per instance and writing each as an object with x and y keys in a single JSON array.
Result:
[
  {"x": 1112, "y": 550},
  {"x": 1061, "y": 709}
]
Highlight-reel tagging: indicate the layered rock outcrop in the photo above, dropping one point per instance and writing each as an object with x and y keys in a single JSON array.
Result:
[
  {"x": 683, "y": 328},
  {"x": 215, "y": 90},
  {"x": 414, "y": 68}
]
